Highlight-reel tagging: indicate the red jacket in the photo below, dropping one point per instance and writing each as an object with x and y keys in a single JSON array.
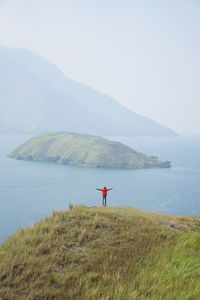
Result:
[{"x": 104, "y": 191}]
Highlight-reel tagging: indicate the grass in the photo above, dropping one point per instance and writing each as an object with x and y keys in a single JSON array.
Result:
[
  {"x": 83, "y": 150},
  {"x": 101, "y": 253}
]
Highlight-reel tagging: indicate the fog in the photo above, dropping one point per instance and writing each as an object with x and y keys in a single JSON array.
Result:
[{"x": 143, "y": 53}]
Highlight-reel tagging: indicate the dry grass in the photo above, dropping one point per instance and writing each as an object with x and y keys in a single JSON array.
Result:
[{"x": 103, "y": 253}]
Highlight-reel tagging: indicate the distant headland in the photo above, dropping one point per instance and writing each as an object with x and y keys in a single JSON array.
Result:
[{"x": 42, "y": 99}]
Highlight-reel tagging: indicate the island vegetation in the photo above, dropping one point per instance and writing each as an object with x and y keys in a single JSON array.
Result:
[
  {"x": 84, "y": 150},
  {"x": 112, "y": 253}
]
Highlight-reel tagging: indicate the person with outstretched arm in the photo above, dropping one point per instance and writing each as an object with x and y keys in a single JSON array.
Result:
[{"x": 104, "y": 194}]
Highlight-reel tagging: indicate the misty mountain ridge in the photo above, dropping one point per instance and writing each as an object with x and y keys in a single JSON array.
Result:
[{"x": 35, "y": 96}]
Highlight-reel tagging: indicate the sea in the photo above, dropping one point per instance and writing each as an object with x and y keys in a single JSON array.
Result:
[{"x": 30, "y": 191}]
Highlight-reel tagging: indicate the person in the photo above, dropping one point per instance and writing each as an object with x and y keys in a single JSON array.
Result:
[{"x": 104, "y": 194}]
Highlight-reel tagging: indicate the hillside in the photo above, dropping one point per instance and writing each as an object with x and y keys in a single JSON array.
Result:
[
  {"x": 83, "y": 150},
  {"x": 35, "y": 97},
  {"x": 101, "y": 253}
]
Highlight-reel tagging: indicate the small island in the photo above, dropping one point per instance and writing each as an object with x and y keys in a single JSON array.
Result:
[{"x": 84, "y": 150}]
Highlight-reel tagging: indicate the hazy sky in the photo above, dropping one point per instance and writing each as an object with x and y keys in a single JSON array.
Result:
[{"x": 145, "y": 53}]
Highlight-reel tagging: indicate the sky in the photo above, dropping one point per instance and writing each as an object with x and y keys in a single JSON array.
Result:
[{"x": 146, "y": 54}]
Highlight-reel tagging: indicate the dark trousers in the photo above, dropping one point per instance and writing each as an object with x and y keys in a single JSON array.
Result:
[{"x": 104, "y": 200}]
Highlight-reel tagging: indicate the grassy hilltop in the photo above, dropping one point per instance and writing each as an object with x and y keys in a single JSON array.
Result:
[
  {"x": 84, "y": 150},
  {"x": 117, "y": 253}
]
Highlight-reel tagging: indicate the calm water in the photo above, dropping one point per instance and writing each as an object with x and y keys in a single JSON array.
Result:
[{"x": 29, "y": 191}]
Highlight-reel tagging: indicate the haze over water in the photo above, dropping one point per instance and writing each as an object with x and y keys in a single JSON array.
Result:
[{"x": 30, "y": 191}]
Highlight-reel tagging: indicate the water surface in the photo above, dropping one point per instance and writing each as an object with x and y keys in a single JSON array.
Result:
[{"x": 29, "y": 191}]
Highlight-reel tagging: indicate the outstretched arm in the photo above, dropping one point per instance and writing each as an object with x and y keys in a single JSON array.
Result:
[
  {"x": 99, "y": 190},
  {"x": 109, "y": 189}
]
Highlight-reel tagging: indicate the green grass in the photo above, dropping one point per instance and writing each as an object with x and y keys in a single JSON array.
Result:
[
  {"x": 83, "y": 150},
  {"x": 101, "y": 253}
]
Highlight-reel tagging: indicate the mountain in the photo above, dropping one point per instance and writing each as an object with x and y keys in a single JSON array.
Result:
[
  {"x": 103, "y": 253},
  {"x": 85, "y": 151},
  {"x": 35, "y": 97}
]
